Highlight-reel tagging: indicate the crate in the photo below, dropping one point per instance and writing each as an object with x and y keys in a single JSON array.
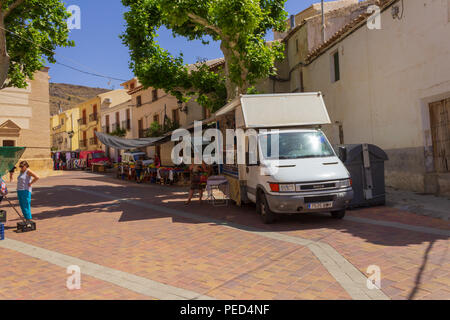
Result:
[
  {"x": 2, "y": 231},
  {"x": 26, "y": 226},
  {"x": 2, "y": 216}
]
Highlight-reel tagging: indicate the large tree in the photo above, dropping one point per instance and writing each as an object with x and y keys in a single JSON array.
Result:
[
  {"x": 30, "y": 31},
  {"x": 239, "y": 25}
]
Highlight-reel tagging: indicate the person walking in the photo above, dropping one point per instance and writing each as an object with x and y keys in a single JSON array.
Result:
[
  {"x": 138, "y": 168},
  {"x": 25, "y": 180},
  {"x": 196, "y": 181}
]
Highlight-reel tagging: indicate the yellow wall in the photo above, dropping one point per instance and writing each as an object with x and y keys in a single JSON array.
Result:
[
  {"x": 60, "y": 127},
  {"x": 90, "y": 125}
]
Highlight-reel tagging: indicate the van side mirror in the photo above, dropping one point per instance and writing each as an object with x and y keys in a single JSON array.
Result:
[{"x": 343, "y": 154}]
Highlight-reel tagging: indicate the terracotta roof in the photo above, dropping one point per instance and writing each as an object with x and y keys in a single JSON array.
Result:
[
  {"x": 351, "y": 26},
  {"x": 328, "y": 13}
]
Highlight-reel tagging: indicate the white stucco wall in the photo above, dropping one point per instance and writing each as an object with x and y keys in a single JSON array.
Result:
[{"x": 388, "y": 77}]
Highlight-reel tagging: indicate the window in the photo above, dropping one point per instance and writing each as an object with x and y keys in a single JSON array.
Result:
[
  {"x": 156, "y": 118},
  {"x": 9, "y": 143},
  {"x": 296, "y": 45},
  {"x": 62, "y": 121},
  {"x": 95, "y": 136},
  {"x": 128, "y": 119},
  {"x": 138, "y": 101},
  {"x": 335, "y": 68},
  {"x": 154, "y": 94},
  {"x": 117, "y": 119},
  {"x": 176, "y": 116},
  {"x": 141, "y": 128},
  {"x": 107, "y": 123}
]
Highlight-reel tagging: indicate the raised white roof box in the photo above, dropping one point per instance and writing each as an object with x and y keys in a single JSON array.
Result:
[{"x": 278, "y": 110}]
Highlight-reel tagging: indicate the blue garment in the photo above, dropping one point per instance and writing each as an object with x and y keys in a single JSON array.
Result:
[{"x": 25, "y": 202}]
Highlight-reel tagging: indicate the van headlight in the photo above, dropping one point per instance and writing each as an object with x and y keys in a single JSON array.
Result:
[{"x": 344, "y": 183}]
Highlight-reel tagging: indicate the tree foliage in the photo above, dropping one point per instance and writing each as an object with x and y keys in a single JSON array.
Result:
[
  {"x": 119, "y": 132},
  {"x": 36, "y": 28},
  {"x": 239, "y": 25}
]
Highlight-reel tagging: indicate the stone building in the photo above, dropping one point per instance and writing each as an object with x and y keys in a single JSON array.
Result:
[
  {"x": 24, "y": 121},
  {"x": 387, "y": 86}
]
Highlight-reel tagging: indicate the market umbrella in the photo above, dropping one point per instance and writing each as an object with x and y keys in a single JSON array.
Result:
[{"x": 9, "y": 156}]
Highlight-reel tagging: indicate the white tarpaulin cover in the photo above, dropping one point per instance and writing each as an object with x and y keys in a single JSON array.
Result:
[
  {"x": 279, "y": 110},
  {"x": 125, "y": 144}
]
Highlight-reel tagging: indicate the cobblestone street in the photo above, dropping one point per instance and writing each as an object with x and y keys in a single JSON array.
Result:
[{"x": 141, "y": 242}]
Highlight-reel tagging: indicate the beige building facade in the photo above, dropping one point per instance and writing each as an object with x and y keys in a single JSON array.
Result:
[
  {"x": 24, "y": 121},
  {"x": 117, "y": 118},
  {"x": 153, "y": 106}
]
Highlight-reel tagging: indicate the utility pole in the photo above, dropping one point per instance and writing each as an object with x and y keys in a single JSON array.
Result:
[{"x": 323, "y": 21}]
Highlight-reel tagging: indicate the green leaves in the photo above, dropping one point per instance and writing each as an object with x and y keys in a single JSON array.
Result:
[
  {"x": 240, "y": 26},
  {"x": 39, "y": 26}
]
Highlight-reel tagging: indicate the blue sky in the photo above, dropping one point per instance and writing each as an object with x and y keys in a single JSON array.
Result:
[{"x": 99, "y": 50}]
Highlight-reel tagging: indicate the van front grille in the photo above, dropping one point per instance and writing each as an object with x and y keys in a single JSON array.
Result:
[
  {"x": 318, "y": 186},
  {"x": 319, "y": 199}
]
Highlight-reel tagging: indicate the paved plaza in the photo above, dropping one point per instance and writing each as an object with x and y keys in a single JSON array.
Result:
[{"x": 135, "y": 241}]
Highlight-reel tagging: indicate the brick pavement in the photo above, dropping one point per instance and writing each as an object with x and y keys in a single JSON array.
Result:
[{"x": 228, "y": 263}]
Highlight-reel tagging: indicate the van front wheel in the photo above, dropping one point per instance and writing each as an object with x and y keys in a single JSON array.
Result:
[
  {"x": 262, "y": 208},
  {"x": 338, "y": 214}
]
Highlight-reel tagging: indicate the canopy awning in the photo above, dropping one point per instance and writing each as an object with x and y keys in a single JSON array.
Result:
[
  {"x": 9, "y": 157},
  {"x": 125, "y": 144}
]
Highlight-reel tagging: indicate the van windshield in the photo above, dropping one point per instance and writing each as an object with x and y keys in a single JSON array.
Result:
[
  {"x": 98, "y": 155},
  {"x": 137, "y": 156},
  {"x": 295, "y": 145}
]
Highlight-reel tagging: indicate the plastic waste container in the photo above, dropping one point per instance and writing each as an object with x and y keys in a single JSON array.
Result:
[{"x": 365, "y": 162}]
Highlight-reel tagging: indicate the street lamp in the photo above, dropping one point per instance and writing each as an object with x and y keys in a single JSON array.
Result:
[{"x": 180, "y": 106}]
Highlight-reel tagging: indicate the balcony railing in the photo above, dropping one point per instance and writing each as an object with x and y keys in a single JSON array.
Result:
[
  {"x": 57, "y": 127},
  {"x": 93, "y": 117},
  {"x": 114, "y": 127},
  {"x": 92, "y": 141},
  {"x": 82, "y": 121},
  {"x": 142, "y": 133},
  {"x": 83, "y": 143}
]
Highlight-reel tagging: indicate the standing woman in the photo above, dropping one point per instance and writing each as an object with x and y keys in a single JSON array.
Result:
[
  {"x": 196, "y": 181},
  {"x": 24, "y": 181}
]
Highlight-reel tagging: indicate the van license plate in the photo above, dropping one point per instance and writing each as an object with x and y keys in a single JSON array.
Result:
[{"x": 320, "y": 205}]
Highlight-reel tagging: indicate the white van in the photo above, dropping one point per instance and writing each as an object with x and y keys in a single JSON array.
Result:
[
  {"x": 304, "y": 174},
  {"x": 133, "y": 157}
]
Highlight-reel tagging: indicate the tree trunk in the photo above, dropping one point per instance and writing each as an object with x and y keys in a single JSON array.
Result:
[
  {"x": 4, "y": 57},
  {"x": 230, "y": 86}
]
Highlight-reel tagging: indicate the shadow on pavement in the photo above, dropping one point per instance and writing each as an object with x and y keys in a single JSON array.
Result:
[{"x": 92, "y": 199}]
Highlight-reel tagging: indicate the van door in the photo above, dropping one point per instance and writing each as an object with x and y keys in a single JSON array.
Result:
[{"x": 251, "y": 166}]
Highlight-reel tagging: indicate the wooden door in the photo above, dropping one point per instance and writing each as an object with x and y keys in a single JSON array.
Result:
[
  {"x": 440, "y": 133},
  {"x": 140, "y": 128}
]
